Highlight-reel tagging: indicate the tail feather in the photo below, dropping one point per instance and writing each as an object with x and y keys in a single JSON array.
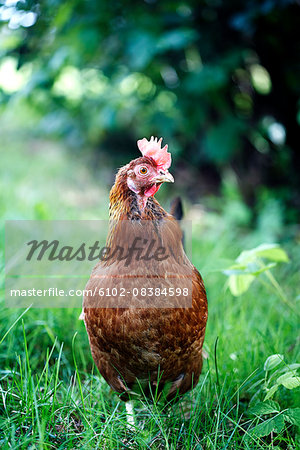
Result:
[
  {"x": 176, "y": 208},
  {"x": 177, "y": 211}
]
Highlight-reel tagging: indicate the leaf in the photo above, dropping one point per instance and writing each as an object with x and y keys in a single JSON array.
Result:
[
  {"x": 285, "y": 376},
  {"x": 238, "y": 284},
  {"x": 292, "y": 415},
  {"x": 265, "y": 408},
  {"x": 278, "y": 423},
  {"x": 294, "y": 366},
  {"x": 291, "y": 383},
  {"x": 272, "y": 252},
  {"x": 265, "y": 428},
  {"x": 271, "y": 392},
  {"x": 273, "y": 361}
]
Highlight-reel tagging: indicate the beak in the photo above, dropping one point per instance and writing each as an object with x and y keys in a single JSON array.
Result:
[{"x": 165, "y": 177}]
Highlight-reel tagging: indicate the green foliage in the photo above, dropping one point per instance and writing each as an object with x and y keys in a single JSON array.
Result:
[
  {"x": 250, "y": 265},
  {"x": 271, "y": 417},
  {"x": 272, "y": 361},
  {"x": 286, "y": 376},
  {"x": 204, "y": 75}
]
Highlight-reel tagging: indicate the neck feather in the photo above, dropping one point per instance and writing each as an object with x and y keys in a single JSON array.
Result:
[{"x": 127, "y": 205}]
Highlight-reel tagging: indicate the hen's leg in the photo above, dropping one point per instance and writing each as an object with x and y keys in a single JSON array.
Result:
[{"x": 130, "y": 415}]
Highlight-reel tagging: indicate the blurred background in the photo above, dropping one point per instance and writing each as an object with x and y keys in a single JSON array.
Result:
[
  {"x": 83, "y": 80},
  {"x": 80, "y": 82}
]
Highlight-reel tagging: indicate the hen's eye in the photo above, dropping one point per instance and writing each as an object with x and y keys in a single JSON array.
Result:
[{"x": 143, "y": 170}]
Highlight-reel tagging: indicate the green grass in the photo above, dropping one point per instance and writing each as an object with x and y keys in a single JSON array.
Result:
[{"x": 51, "y": 395}]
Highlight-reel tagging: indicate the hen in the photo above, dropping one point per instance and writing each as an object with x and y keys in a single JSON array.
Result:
[{"x": 150, "y": 332}]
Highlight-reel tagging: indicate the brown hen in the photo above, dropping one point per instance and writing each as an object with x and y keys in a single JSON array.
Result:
[{"x": 151, "y": 341}]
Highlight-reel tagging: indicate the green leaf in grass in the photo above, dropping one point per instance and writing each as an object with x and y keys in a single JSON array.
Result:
[
  {"x": 265, "y": 408},
  {"x": 273, "y": 252},
  {"x": 273, "y": 361},
  {"x": 291, "y": 383},
  {"x": 271, "y": 392},
  {"x": 286, "y": 376},
  {"x": 238, "y": 284},
  {"x": 292, "y": 415},
  {"x": 275, "y": 423},
  {"x": 294, "y": 366}
]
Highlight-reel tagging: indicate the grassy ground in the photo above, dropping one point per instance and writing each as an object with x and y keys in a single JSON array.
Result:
[{"x": 51, "y": 393}]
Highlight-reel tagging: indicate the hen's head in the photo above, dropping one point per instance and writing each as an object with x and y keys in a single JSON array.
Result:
[{"x": 146, "y": 174}]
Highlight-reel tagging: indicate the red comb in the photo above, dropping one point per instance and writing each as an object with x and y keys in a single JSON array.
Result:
[{"x": 153, "y": 149}]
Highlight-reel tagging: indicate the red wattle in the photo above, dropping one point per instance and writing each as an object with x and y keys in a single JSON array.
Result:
[{"x": 151, "y": 191}]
